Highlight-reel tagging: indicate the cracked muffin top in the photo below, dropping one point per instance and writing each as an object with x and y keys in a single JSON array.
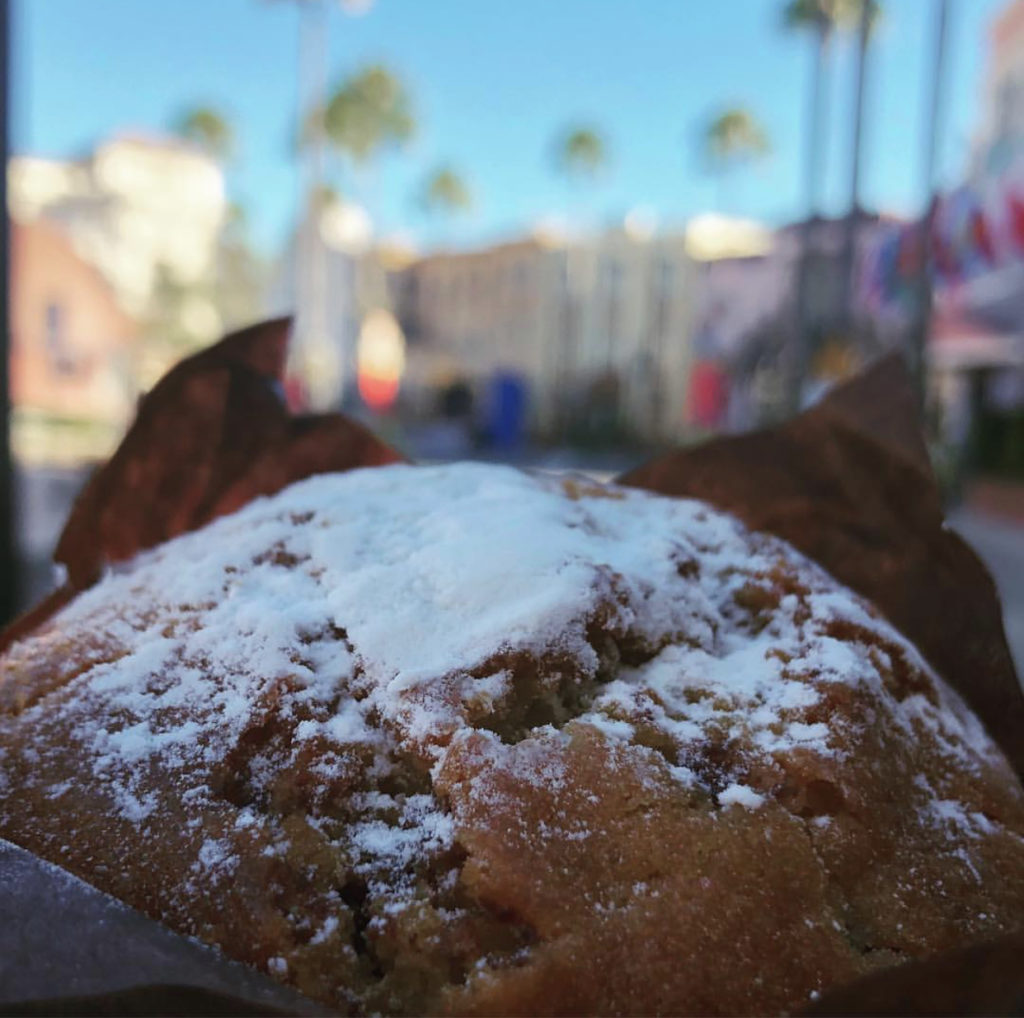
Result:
[{"x": 462, "y": 739}]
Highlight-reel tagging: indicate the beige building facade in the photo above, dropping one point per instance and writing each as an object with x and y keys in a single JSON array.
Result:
[
  {"x": 137, "y": 207},
  {"x": 604, "y": 318}
]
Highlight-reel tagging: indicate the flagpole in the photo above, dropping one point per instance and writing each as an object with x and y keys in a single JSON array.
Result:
[{"x": 922, "y": 324}]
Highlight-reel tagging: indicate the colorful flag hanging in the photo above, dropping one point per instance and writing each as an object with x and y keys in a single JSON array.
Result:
[
  {"x": 1015, "y": 210},
  {"x": 981, "y": 236}
]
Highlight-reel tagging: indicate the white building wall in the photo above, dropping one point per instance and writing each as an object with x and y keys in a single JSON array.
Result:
[{"x": 134, "y": 205}]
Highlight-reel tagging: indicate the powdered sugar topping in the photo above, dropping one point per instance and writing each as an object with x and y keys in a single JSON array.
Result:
[{"x": 385, "y": 613}]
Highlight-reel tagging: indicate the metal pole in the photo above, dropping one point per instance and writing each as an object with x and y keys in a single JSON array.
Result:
[
  {"x": 922, "y": 326},
  {"x": 8, "y": 553},
  {"x": 319, "y": 328},
  {"x": 316, "y": 352}
]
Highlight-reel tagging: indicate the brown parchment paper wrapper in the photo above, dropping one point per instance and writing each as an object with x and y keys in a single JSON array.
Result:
[
  {"x": 983, "y": 979},
  {"x": 75, "y": 950},
  {"x": 848, "y": 483},
  {"x": 213, "y": 434}
]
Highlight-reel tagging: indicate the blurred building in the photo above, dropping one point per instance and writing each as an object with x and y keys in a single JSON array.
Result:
[
  {"x": 72, "y": 352},
  {"x": 740, "y": 289},
  {"x": 147, "y": 212},
  {"x": 652, "y": 336},
  {"x": 632, "y": 298},
  {"x": 982, "y": 221},
  {"x": 748, "y": 315},
  {"x": 468, "y": 315},
  {"x": 593, "y": 332},
  {"x": 134, "y": 207},
  {"x": 999, "y": 142},
  {"x": 976, "y": 345}
]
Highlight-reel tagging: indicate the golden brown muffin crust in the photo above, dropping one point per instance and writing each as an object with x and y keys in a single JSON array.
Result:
[{"x": 462, "y": 740}]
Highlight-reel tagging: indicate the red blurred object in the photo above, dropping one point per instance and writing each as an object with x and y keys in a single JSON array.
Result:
[
  {"x": 378, "y": 393},
  {"x": 1015, "y": 205},
  {"x": 909, "y": 254},
  {"x": 709, "y": 394},
  {"x": 295, "y": 396},
  {"x": 981, "y": 235},
  {"x": 946, "y": 263}
]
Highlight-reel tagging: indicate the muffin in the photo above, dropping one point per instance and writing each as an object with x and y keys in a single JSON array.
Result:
[{"x": 468, "y": 740}]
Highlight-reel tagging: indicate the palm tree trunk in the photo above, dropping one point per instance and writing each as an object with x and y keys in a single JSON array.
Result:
[
  {"x": 853, "y": 216},
  {"x": 819, "y": 107},
  {"x": 720, "y": 192},
  {"x": 814, "y": 166}
]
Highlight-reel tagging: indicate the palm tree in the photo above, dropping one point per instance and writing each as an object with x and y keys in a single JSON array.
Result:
[
  {"x": 822, "y": 19},
  {"x": 446, "y": 192},
  {"x": 310, "y": 262},
  {"x": 581, "y": 153},
  {"x": 366, "y": 114},
  {"x": 868, "y": 14},
  {"x": 867, "y": 18},
  {"x": 208, "y": 129},
  {"x": 732, "y": 139}
]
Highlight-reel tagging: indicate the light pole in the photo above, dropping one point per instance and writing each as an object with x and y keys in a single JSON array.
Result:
[{"x": 319, "y": 361}]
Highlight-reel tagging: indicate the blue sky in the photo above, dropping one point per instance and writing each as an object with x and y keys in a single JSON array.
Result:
[{"x": 492, "y": 82}]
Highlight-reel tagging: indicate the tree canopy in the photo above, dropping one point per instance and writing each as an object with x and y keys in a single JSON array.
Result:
[
  {"x": 367, "y": 112},
  {"x": 445, "y": 191},
  {"x": 208, "y": 129},
  {"x": 581, "y": 152},
  {"x": 827, "y": 16},
  {"x": 733, "y": 137}
]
